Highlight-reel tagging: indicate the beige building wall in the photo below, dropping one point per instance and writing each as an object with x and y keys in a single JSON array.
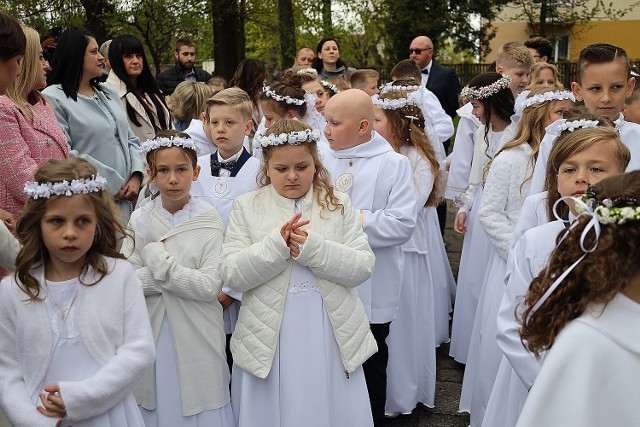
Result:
[{"x": 622, "y": 32}]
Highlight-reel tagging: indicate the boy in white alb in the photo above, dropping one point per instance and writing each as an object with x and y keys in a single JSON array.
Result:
[
  {"x": 603, "y": 82},
  {"x": 379, "y": 182},
  {"x": 228, "y": 172}
]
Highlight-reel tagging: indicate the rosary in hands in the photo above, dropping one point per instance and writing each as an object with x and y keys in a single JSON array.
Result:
[{"x": 293, "y": 234}]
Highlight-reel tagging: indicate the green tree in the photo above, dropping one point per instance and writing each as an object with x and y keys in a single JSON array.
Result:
[{"x": 545, "y": 15}]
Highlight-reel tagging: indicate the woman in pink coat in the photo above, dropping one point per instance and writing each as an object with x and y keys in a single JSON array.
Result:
[{"x": 29, "y": 132}]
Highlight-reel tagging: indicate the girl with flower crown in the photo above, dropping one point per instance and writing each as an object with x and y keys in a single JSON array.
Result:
[
  {"x": 176, "y": 254},
  {"x": 506, "y": 187},
  {"x": 75, "y": 336},
  {"x": 579, "y": 157},
  {"x": 582, "y": 312},
  {"x": 493, "y": 103},
  {"x": 424, "y": 304},
  {"x": 296, "y": 250}
]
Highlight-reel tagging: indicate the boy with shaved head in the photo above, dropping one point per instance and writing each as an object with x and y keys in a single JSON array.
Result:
[{"x": 380, "y": 184}]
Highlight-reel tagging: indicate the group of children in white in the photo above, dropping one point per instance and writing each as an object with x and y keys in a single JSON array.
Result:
[{"x": 321, "y": 259}]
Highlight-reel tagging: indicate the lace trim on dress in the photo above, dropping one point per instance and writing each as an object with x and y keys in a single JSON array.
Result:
[{"x": 306, "y": 286}]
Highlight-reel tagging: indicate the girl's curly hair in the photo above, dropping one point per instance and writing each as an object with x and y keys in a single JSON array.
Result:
[{"x": 597, "y": 279}]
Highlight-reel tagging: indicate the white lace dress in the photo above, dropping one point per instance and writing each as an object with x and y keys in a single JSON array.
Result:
[
  {"x": 71, "y": 360},
  {"x": 307, "y": 385}
]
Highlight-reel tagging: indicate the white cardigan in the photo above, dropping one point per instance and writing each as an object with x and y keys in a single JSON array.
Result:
[
  {"x": 178, "y": 268},
  {"x": 504, "y": 194},
  {"x": 257, "y": 262},
  {"x": 114, "y": 327}
]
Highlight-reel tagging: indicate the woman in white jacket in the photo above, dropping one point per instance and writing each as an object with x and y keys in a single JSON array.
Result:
[
  {"x": 176, "y": 254},
  {"x": 297, "y": 251}
]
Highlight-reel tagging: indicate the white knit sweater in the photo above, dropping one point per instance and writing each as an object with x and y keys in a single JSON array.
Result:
[{"x": 178, "y": 268}]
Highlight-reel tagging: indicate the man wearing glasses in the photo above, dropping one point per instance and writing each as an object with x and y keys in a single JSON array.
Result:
[{"x": 440, "y": 80}]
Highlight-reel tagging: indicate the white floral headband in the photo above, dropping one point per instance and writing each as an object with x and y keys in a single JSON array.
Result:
[
  {"x": 44, "y": 190},
  {"x": 163, "y": 142},
  {"x": 572, "y": 125},
  {"x": 556, "y": 95},
  {"x": 280, "y": 98},
  {"x": 483, "y": 92},
  {"x": 333, "y": 88},
  {"x": 292, "y": 138},
  {"x": 308, "y": 71},
  {"x": 397, "y": 88},
  {"x": 601, "y": 213},
  {"x": 412, "y": 98}
]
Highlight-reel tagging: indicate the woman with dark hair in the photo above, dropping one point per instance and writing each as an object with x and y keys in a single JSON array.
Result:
[
  {"x": 250, "y": 76},
  {"x": 327, "y": 61},
  {"x": 92, "y": 116},
  {"x": 130, "y": 74},
  {"x": 12, "y": 46}
]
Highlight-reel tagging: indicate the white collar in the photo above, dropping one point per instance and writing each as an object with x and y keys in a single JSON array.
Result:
[{"x": 230, "y": 159}]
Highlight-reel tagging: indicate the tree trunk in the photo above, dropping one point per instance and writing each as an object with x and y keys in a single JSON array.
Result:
[
  {"x": 287, "y": 33},
  {"x": 542, "y": 30},
  {"x": 98, "y": 14},
  {"x": 228, "y": 47},
  {"x": 327, "y": 25}
]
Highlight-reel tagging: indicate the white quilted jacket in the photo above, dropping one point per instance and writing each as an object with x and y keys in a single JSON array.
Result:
[{"x": 256, "y": 261}]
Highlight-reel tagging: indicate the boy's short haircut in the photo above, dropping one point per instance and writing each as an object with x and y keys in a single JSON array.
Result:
[
  {"x": 184, "y": 42},
  {"x": 635, "y": 95},
  {"x": 234, "y": 97},
  {"x": 514, "y": 54},
  {"x": 541, "y": 45},
  {"x": 340, "y": 82},
  {"x": 601, "y": 53},
  {"x": 406, "y": 69},
  {"x": 360, "y": 78},
  {"x": 218, "y": 81}
]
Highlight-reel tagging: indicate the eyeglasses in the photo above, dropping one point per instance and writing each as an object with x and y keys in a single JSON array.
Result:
[{"x": 419, "y": 51}]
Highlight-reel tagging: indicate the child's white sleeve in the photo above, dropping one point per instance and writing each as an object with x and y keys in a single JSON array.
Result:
[
  {"x": 436, "y": 115},
  {"x": 132, "y": 248},
  {"x": 394, "y": 224},
  {"x": 14, "y": 397},
  {"x": 540, "y": 169},
  {"x": 465, "y": 199},
  {"x": 349, "y": 263},
  {"x": 461, "y": 158},
  {"x": 523, "y": 362},
  {"x": 115, "y": 379},
  {"x": 246, "y": 265},
  {"x": 202, "y": 283},
  {"x": 494, "y": 205},
  {"x": 9, "y": 248}
]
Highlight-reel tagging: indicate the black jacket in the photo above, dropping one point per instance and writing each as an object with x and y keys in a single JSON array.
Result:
[
  {"x": 445, "y": 85},
  {"x": 172, "y": 77}
]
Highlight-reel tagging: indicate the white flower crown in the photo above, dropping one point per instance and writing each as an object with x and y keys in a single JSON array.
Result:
[
  {"x": 292, "y": 138},
  {"x": 333, "y": 88},
  {"x": 394, "y": 104},
  {"x": 397, "y": 88},
  {"x": 572, "y": 125},
  {"x": 280, "y": 98},
  {"x": 163, "y": 142},
  {"x": 309, "y": 71},
  {"x": 557, "y": 95},
  {"x": 44, "y": 190},
  {"x": 483, "y": 92}
]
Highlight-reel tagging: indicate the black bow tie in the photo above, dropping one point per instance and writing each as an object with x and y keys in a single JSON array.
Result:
[
  {"x": 216, "y": 165},
  {"x": 425, "y": 71}
]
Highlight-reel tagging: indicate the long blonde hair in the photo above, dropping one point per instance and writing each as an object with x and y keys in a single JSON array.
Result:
[
  {"x": 531, "y": 128},
  {"x": 321, "y": 179},
  {"x": 29, "y": 230},
  {"x": 407, "y": 127},
  {"x": 20, "y": 92}
]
